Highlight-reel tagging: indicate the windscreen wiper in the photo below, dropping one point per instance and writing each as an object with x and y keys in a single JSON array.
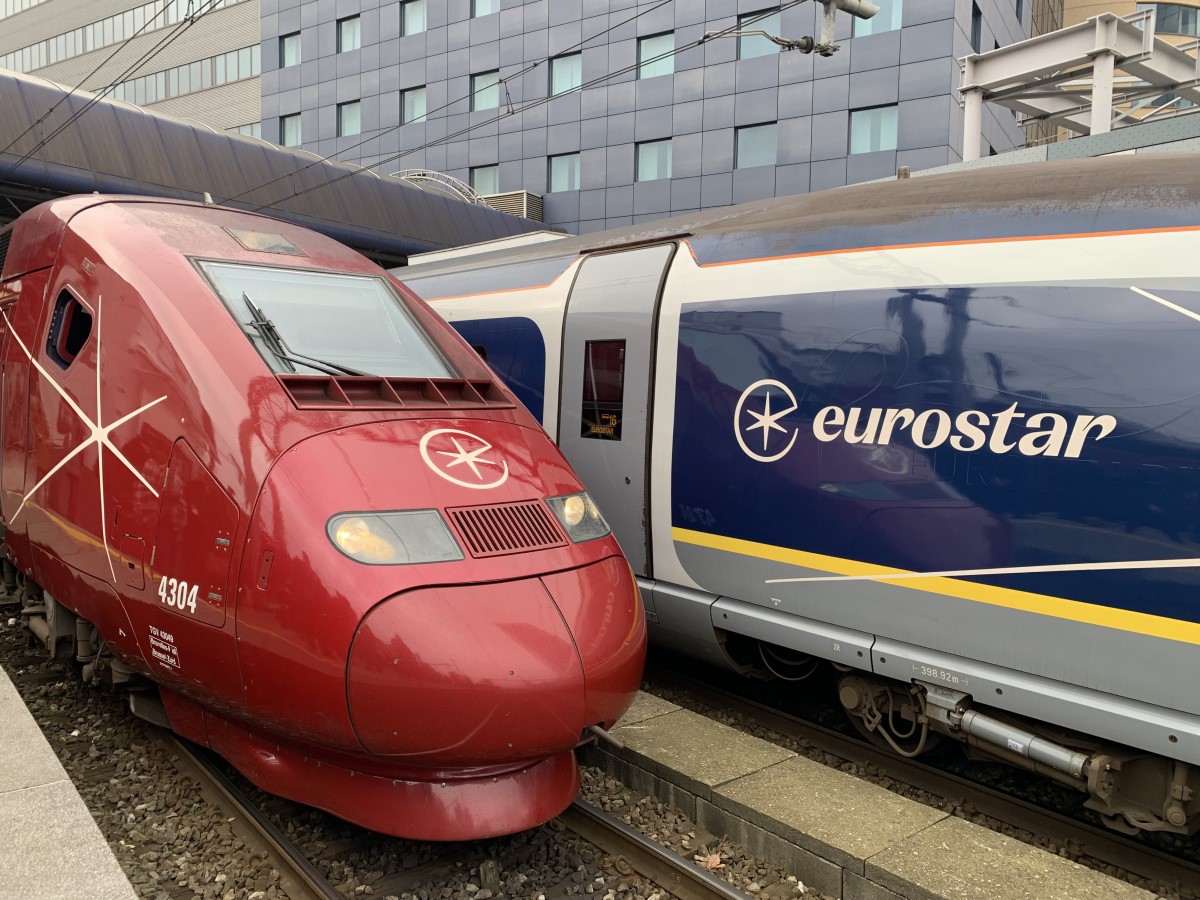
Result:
[{"x": 274, "y": 340}]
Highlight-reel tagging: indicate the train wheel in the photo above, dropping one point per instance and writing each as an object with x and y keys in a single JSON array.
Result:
[
  {"x": 887, "y": 716},
  {"x": 785, "y": 664}
]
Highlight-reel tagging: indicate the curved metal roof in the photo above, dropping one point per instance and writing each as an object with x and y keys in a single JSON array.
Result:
[{"x": 116, "y": 147}]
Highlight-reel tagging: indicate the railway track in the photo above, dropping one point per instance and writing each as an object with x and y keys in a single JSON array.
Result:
[
  {"x": 1085, "y": 840},
  {"x": 302, "y": 880}
]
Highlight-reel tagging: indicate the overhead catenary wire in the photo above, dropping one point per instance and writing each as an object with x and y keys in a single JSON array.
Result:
[
  {"x": 517, "y": 111},
  {"x": 192, "y": 17},
  {"x": 121, "y": 46}
]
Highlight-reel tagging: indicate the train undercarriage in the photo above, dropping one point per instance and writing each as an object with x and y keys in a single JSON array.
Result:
[{"x": 1130, "y": 789}]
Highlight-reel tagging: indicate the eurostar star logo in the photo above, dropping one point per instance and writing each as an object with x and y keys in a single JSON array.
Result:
[
  {"x": 776, "y": 402},
  {"x": 463, "y": 458}
]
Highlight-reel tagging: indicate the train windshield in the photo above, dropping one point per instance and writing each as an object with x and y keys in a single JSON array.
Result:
[{"x": 319, "y": 322}]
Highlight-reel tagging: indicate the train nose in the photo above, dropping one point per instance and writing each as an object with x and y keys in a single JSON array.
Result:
[{"x": 467, "y": 675}]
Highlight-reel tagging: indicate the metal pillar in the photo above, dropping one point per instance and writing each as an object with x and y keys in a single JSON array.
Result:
[
  {"x": 972, "y": 123},
  {"x": 1103, "y": 66}
]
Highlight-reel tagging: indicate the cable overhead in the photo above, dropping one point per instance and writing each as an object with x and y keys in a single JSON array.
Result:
[
  {"x": 166, "y": 41},
  {"x": 503, "y": 81},
  {"x": 89, "y": 75},
  {"x": 517, "y": 111}
]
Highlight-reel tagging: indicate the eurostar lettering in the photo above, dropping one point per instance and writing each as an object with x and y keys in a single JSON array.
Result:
[{"x": 1045, "y": 434}]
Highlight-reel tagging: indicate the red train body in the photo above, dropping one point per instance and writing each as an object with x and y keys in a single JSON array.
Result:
[{"x": 383, "y": 594}]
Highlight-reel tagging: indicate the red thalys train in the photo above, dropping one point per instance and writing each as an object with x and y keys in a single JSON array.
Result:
[{"x": 245, "y": 464}]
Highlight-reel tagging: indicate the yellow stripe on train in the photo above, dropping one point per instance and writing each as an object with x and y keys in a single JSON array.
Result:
[{"x": 1024, "y": 601}]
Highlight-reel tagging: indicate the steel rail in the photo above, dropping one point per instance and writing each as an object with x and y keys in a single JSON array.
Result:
[
  {"x": 680, "y": 877},
  {"x": 1083, "y": 838},
  {"x": 285, "y": 856}
]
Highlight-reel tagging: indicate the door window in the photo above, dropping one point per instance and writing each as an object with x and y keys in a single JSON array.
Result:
[{"x": 603, "y": 390}]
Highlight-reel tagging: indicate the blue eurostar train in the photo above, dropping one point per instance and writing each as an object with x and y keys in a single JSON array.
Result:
[{"x": 941, "y": 433}]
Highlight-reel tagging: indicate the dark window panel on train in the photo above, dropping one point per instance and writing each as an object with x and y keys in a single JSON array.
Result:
[{"x": 603, "y": 390}]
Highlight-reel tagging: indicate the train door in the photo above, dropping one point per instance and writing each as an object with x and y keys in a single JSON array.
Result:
[
  {"x": 607, "y": 371},
  {"x": 22, "y": 304}
]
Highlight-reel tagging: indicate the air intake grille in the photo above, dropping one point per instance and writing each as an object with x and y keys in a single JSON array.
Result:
[{"x": 507, "y": 528}]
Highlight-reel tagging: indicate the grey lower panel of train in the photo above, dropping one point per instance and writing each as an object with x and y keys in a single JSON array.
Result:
[{"x": 689, "y": 620}]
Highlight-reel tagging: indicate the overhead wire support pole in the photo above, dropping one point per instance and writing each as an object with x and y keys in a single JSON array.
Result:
[
  {"x": 825, "y": 46},
  {"x": 860, "y": 9}
]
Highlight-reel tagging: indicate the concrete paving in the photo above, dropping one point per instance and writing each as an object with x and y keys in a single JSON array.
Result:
[
  {"x": 53, "y": 849},
  {"x": 845, "y": 837}
]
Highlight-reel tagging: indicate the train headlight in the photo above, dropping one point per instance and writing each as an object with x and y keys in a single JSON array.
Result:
[
  {"x": 394, "y": 538},
  {"x": 580, "y": 517}
]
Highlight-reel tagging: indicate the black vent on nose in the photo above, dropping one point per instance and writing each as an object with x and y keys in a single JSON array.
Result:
[{"x": 506, "y": 528}]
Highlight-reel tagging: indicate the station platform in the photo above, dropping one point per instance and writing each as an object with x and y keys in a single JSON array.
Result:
[
  {"x": 842, "y": 836},
  {"x": 53, "y": 849}
]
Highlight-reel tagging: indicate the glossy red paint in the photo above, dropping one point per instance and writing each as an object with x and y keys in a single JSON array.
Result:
[
  {"x": 467, "y": 674},
  {"x": 601, "y": 608},
  {"x": 158, "y": 479}
]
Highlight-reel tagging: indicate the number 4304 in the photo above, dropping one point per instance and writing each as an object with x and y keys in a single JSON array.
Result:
[{"x": 178, "y": 594}]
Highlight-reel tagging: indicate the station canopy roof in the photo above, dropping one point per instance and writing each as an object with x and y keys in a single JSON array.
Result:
[{"x": 115, "y": 147}]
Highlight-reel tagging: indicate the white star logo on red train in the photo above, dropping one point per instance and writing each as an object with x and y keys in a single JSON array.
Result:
[
  {"x": 453, "y": 447},
  {"x": 99, "y": 433},
  {"x": 767, "y": 420}
]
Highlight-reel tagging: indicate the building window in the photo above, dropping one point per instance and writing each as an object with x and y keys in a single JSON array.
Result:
[
  {"x": 887, "y": 19},
  {"x": 412, "y": 105},
  {"x": 142, "y": 19},
  {"x": 485, "y": 90},
  {"x": 976, "y": 27},
  {"x": 1020, "y": 11},
  {"x": 485, "y": 179},
  {"x": 412, "y": 17},
  {"x": 655, "y": 55},
  {"x": 349, "y": 118},
  {"x": 349, "y": 34},
  {"x": 1171, "y": 18},
  {"x": 566, "y": 73},
  {"x": 755, "y": 146},
  {"x": 236, "y": 65},
  {"x": 563, "y": 172},
  {"x": 484, "y": 7},
  {"x": 750, "y": 46},
  {"x": 873, "y": 129},
  {"x": 289, "y": 50},
  {"x": 653, "y": 160},
  {"x": 289, "y": 130},
  {"x": 251, "y": 129}
]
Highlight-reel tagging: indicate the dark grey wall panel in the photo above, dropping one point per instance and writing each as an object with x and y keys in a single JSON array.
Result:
[{"x": 698, "y": 106}]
